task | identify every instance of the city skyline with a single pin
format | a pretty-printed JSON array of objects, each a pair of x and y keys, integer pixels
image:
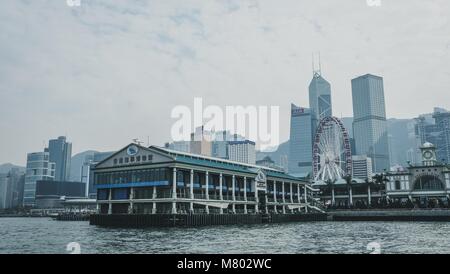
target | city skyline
[{"x": 52, "y": 85}]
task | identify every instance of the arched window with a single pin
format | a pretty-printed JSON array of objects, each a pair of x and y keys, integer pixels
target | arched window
[{"x": 428, "y": 182}]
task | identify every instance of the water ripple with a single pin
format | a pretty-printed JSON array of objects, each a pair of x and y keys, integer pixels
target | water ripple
[{"x": 42, "y": 235}]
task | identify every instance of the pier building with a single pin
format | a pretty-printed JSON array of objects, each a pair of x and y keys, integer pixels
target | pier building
[
  {"x": 156, "y": 180},
  {"x": 421, "y": 183}
]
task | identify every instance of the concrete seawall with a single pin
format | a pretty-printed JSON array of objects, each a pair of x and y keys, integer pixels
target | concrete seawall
[
  {"x": 185, "y": 220},
  {"x": 391, "y": 215}
]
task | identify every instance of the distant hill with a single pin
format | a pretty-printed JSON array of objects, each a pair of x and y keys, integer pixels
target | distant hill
[
  {"x": 276, "y": 156},
  {"x": 5, "y": 168},
  {"x": 77, "y": 163}
]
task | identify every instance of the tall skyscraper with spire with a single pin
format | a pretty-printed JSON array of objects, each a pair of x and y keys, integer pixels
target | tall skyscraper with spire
[{"x": 319, "y": 97}]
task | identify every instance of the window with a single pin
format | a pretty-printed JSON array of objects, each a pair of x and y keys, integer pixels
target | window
[
  {"x": 428, "y": 182},
  {"x": 150, "y": 157},
  {"x": 397, "y": 185},
  {"x": 138, "y": 158},
  {"x": 126, "y": 160},
  {"x": 132, "y": 159},
  {"x": 120, "y": 160},
  {"x": 115, "y": 161},
  {"x": 144, "y": 158}
]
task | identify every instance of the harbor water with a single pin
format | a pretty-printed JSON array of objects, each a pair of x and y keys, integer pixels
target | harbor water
[{"x": 45, "y": 235}]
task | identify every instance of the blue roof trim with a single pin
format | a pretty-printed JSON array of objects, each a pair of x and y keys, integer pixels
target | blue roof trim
[{"x": 138, "y": 184}]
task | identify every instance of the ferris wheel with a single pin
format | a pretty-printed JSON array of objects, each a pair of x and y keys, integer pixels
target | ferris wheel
[{"x": 332, "y": 153}]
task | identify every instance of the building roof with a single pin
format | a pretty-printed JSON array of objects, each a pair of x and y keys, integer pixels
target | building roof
[
  {"x": 207, "y": 161},
  {"x": 428, "y": 145}
]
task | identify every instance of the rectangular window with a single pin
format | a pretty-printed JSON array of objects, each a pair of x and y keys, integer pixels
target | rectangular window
[{"x": 144, "y": 158}]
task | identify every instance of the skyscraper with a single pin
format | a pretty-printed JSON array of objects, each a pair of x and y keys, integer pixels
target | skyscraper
[
  {"x": 319, "y": 99},
  {"x": 38, "y": 168},
  {"x": 242, "y": 151},
  {"x": 4, "y": 191},
  {"x": 369, "y": 124},
  {"x": 60, "y": 154},
  {"x": 435, "y": 130},
  {"x": 362, "y": 167},
  {"x": 300, "y": 145}
]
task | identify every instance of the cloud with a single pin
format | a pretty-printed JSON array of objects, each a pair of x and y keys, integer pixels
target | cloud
[{"x": 109, "y": 71}]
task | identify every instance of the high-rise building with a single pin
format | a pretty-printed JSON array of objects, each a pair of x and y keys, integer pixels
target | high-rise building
[
  {"x": 362, "y": 167},
  {"x": 319, "y": 99},
  {"x": 300, "y": 144},
  {"x": 38, "y": 168},
  {"x": 4, "y": 191},
  {"x": 60, "y": 154},
  {"x": 87, "y": 171},
  {"x": 242, "y": 151},
  {"x": 369, "y": 124},
  {"x": 11, "y": 188},
  {"x": 201, "y": 142},
  {"x": 219, "y": 145},
  {"x": 435, "y": 130},
  {"x": 183, "y": 146},
  {"x": 16, "y": 179}
]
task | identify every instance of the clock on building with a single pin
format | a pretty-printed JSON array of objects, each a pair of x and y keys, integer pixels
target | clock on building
[
  {"x": 132, "y": 150},
  {"x": 428, "y": 154}
]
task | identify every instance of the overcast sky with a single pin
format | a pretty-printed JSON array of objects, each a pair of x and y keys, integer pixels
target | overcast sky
[{"x": 112, "y": 70}]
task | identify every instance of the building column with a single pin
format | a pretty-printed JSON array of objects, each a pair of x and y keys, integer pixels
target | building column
[
  {"x": 221, "y": 190},
  {"x": 350, "y": 196},
  {"x": 275, "y": 196},
  {"x": 245, "y": 195},
  {"x": 298, "y": 193},
  {"x": 207, "y": 190},
  {"x": 256, "y": 197},
  {"x": 267, "y": 207},
  {"x": 245, "y": 188},
  {"x": 153, "y": 208},
  {"x": 207, "y": 184},
  {"x": 221, "y": 186},
  {"x": 233, "y": 186},
  {"x": 191, "y": 184},
  {"x": 369, "y": 195},
  {"x": 283, "y": 198},
  {"x": 110, "y": 204},
  {"x": 174, "y": 191},
  {"x": 306, "y": 199},
  {"x": 191, "y": 190},
  {"x": 97, "y": 208},
  {"x": 131, "y": 200},
  {"x": 292, "y": 194},
  {"x": 333, "y": 199}
]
